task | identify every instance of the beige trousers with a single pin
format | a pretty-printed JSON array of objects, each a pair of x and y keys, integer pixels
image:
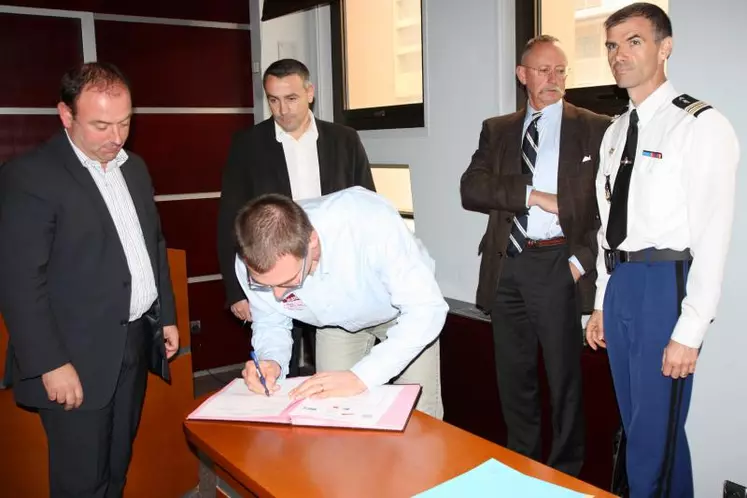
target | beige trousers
[{"x": 338, "y": 349}]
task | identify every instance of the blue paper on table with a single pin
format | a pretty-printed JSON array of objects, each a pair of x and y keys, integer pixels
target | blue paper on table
[{"x": 493, "y": 479}]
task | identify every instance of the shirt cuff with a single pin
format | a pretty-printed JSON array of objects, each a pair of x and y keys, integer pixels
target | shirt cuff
[
  {"x": 284, "y": 367},
  {"x": 577, "y": 264},
  {"x": 689, "y": 332},
  {"x": 368, "y": 375},
  {"x": 530, "y": 188}
]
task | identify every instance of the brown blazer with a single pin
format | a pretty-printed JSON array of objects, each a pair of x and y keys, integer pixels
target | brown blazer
[{"x": 494, "y": 184}]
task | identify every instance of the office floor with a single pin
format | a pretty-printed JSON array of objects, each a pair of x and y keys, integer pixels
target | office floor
[{"x": 207, "y": 381}]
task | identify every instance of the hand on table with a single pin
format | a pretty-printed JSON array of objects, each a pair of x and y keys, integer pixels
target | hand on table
[{"x": 329, "y": 385}]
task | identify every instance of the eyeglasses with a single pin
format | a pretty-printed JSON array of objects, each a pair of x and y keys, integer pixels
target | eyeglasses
[
  {"x": 257, "y": 287},
  {"x": 560, "y": 71}
]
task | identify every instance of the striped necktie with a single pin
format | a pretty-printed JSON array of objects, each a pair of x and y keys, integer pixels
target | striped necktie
[{"x": 529, "y": 147}]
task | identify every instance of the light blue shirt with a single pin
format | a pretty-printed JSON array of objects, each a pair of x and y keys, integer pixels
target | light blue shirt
[
  {"x": 372, "y": 270},
  {"x": 541, "y": 224}
]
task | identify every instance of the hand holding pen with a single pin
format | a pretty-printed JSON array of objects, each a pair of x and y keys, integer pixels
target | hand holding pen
[{"x": 261, "y": 376}]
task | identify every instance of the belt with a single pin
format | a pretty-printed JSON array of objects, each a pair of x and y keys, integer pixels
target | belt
[
  {"x": 555, "y": 241},
  {"x": 614, "y": 258}
]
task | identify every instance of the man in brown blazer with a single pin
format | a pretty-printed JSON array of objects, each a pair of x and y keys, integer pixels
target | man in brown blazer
[{"x": 534, "y": 173}]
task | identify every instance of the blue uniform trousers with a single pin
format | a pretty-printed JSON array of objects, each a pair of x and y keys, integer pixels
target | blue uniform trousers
[{"x": 641, "y": 307}]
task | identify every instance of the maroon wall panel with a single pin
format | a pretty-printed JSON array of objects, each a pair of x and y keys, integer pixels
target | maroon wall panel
[
  {"x": 35, "y": 52},
  {"x": 185, "y": 152},
  {"x": 191, "y": 225},
  {"x": 179, "y": 66},
  {"x": 21, "y": 133},
  {"x": 222, "y": 340},
  {"x": 236, "y": 11}
]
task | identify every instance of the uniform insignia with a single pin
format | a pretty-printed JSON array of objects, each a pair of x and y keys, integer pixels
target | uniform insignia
[
  {"x": 652, "y": 153},
  {"x": 691, "y": 105},
  {"x": 607, "y": 188}
]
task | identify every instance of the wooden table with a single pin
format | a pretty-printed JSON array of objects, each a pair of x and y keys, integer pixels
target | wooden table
[{"x": 283, "y": 461}]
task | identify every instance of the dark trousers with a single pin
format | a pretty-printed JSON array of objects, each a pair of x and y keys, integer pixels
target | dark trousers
[
  {"x": 306, "y": 334},
  {"x": 641, "y": 307},
  {"x": 535, "y": 304},
  {"x": 90, "y": 450}
]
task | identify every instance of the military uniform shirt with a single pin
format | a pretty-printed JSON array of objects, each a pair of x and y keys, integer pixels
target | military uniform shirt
[{"x": 681, "y": 195}]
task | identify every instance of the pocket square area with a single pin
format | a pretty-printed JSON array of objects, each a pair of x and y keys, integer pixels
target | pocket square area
[{"x": 586, "y": 158}]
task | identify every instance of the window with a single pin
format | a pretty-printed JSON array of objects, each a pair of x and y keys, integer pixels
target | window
[
  {"x": 579, "y": 24},
  {"x": 377, "y": 63},
  {"x": 393, "y": 182}
]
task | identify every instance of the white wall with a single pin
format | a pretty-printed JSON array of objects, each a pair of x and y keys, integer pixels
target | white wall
[
  {"x": 469, "y": 61},
  {"x": 708, "y": 63},
  {"x": 469, "y": 64}
]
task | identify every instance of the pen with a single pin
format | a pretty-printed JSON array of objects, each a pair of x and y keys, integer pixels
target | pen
[{"x": 259, "y": 372}]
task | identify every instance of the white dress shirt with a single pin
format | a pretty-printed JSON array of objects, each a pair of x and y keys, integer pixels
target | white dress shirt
[
  {"x": 372, "y": 270},
  {"x": 681, "y": 196},
  {"x": 302, "y": 159},
  {"x": 113, "y": 188},
  {"x": 542, "y": 225}
]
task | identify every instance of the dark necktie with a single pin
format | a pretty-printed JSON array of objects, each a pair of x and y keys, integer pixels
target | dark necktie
[
  {"x": 529, "y": 147},
  {"x": 617, "y": 225}
]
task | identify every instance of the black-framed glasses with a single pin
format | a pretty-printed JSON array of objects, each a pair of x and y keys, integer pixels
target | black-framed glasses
[
  {"x": 257, "y": 287},
  {"x": 560, "y": 71}
]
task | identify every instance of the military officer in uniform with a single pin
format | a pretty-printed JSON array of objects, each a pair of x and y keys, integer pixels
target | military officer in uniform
[{"x": 665, "y": 190}]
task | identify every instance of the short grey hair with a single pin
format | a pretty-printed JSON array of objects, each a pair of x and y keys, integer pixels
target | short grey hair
[{"x": 537, "y": 40}]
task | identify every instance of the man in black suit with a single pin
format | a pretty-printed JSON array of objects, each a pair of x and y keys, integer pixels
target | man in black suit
[
  {"x": 533, "y": 173},
  {"x": 293, "y": 154},
  {"x": 83, "y": 275}
]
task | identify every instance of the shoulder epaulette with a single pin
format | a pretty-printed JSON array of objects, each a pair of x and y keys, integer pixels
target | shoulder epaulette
[{"x": 691, "y": 105}]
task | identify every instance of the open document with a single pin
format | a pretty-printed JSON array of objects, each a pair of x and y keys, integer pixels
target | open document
[{"x": 384, "y": 408}]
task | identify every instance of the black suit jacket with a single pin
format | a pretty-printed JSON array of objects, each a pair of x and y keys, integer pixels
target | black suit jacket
[
  {"x": 494, "y": 184},
  {"x": 64, "y": 280},
  {"x": 256, "y": 166}
]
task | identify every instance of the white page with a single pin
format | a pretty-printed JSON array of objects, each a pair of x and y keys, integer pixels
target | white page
[
  {"x": 236, "y": 400},
  {"x": 363, "y": 409}
]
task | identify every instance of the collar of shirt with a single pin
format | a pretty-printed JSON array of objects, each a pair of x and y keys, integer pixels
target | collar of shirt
[
  {"x": 321, "y": 268},
  {"x": 647, "y": 109},
  {"x": 551, "y": 113},
  {"x": 312, "y": 207},
  {"x": 281, "y": 135},
  {"x": 91, "y": 164}
]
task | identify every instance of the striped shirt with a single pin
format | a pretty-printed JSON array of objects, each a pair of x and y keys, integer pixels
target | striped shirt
[{"x": 113, "y": 188}]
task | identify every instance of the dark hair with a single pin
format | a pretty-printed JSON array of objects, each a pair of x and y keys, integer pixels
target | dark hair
[
  {"x": 269, "y": 227},
  {"x": 102, "y": 75},
  {"x": 534, "y": 42},
  {"x": 287, "y": 67},
  {"x": 658, "y": 18}
]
